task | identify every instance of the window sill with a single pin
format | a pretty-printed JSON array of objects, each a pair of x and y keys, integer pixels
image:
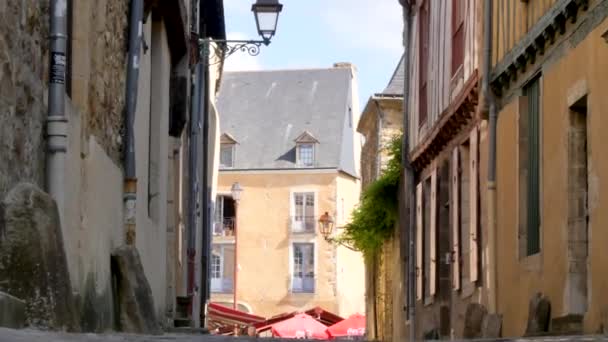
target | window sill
[
  {"x": 532, "y": 263},
  {"x": 301, "y": 293}
]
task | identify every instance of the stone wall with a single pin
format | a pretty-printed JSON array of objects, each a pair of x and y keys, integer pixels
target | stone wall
[
  {"x": 99, "y": 52},
  {"x": 23, "y": 73}
]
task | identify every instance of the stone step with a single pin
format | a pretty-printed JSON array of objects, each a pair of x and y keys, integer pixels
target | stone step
[
  {"x": 180, "y": 323},
  {"x": 12, "y": 311}
]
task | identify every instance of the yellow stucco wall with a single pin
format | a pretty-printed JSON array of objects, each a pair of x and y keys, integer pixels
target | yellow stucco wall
[
  {"x": 264, "y": 239},
  {"x": 546, "y": 272}
]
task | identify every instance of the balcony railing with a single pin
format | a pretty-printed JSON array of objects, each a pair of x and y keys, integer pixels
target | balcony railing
[
  {"x": 225, "y": 227},
  {"x": 303, "y": 224},
  {"x": 221, "y": 285}
]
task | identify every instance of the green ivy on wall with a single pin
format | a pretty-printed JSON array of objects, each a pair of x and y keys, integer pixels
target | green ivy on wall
[{"x": 373, "y": 221}]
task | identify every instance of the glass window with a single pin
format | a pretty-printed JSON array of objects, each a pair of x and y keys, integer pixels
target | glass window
[
  {"x": 306, "y": 154},
  {"x": 303, "y": 275},
  {"x": 227, "y": 155},
  {"x": 304, "y": 212}
]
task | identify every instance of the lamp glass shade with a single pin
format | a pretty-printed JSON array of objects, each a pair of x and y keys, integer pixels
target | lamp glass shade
[
  {"x": 236, "y": 191},
  {"x": 326, "y": 224},
  {"x": 267, "y": 17}
]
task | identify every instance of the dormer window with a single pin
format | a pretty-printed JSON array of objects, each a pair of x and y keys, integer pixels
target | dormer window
[
  {"x": 227, "y": 151},
  {"x": 306, "y": 154},
  {"x": 305, "y": 150}
]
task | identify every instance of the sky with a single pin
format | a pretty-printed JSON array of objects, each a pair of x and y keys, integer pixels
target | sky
[{"x": 319, "y": 33}]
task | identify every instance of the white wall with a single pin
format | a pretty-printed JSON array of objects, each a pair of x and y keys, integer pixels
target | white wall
[{"x": 153, "y": 101}]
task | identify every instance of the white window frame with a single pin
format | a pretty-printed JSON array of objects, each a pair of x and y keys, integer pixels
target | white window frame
[
  {"x": 292, "y": 265},
  {"x": 292, "y": 208},
  {"x": 222, "y": 247},
  {"x": 314, "y": 154},
  {"x": 232, "y": 147}
]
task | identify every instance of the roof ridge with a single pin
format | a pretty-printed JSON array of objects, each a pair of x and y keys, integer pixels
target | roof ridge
[{"x": 274, "y": 70}]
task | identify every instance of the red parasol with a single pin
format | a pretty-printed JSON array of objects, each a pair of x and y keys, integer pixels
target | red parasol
[
  {"x": 350, "y": 327},
  {"x": 300, "y": 326}
]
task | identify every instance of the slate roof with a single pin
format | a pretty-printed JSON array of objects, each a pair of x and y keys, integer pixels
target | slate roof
[
  {"x": 396, "y": 85},
  {"x": 265, "y": 111}
]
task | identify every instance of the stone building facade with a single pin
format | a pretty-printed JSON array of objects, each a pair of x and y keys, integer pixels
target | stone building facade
[
  {"x": 382, "y": 120},
  {"x": 92, "y": 218},
  {"x": 296, "y": 158},
  {"x": 551, "y": 163},
  {"x": 533, "y": 266}
]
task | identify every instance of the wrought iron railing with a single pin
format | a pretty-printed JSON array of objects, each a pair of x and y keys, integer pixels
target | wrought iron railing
[
  {"x": 303, "y": 224},
  {"x": 224, "y": 227}
]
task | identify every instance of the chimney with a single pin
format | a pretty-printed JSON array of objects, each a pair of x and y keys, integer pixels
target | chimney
[{"x": 346, "y": 65}]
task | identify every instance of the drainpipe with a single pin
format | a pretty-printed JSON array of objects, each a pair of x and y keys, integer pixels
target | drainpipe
[
  {"x": 130, "y": 181},
  {"x": 193, "y": 181},
  {"x": 408, "y": 172},
  {"x": 206, "y": 189},
  {"x": 57, "y": 123},
  {"x": 489, "y": 100},
  {"x": 193, "y": 142}
]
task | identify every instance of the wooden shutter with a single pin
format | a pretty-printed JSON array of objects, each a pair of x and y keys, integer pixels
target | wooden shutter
[
  {"x": 419, "y": 232},
  {"x": 458, "y": 9},
  {"x": 455, "y": 220},
  {"x": 423, "y": 61},
  {"x": 473, "y": 186},
  {"x": 533, "y": 93},
  {"x": 433, "y": 235}
]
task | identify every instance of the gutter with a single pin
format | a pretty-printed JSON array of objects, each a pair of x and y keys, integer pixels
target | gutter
[
  {"x": 490, "y": 105},
  {"x": 130, "y": 179}
]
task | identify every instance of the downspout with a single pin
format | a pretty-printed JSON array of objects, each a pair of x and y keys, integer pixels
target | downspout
[
  {"x": 206, "y": 189},
  {"x": 491, "y": 106},
  {"x": 193, "y": 167},
  {"x": 57, "y": 123},
  {"x": 408, "y": 173},
  {"x": 130, "y": 181}
]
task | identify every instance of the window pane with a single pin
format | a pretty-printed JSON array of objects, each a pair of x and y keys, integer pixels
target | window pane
[
  {"x": 303, "y": 267},
  {"x": 306, "y": 154},
  {"x": 226, "y": 155}
]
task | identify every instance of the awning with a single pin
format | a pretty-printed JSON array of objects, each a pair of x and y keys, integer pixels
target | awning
[
  {"x": 318, "y": 313},
  {"x": 220, "y": 316},
  {"x": 353, "y": 326},
  {"x": 300, "y": 326}
]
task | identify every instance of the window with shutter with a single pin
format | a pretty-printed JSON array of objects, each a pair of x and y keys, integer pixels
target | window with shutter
[
  {"x": 474, "y": 188},
  {"x": 455, "y": 220},
  {"x": 433, "y": 235},
  {"x": 532, "y": 92},
  {"x": 419, "y": 247},
  {"x": 458, "y": 10},
  {"x": 423, "y": 58}
]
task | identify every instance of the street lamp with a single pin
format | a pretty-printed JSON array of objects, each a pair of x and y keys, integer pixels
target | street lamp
[
  {"x": 266, "y": 13},
  {"x": 236, "y": 190},
  {"x": 326, "y": 225},
  {"x": 267, "y": 17}
]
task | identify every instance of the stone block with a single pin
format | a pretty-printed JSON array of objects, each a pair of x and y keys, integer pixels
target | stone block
[
  {"x": 492, "y": 326},
  {"x": 567, "y": 325},
  {"x": 12, "y": 311},
  {"x": 136, "y": 311},
  {"x": 33, "y": 264},
  {"x": 473, "y": 320},
  {"x": 539, "y": 315}
]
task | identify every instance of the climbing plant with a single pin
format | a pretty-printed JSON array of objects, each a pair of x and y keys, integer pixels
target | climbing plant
[{"x": 373, "y": 220}]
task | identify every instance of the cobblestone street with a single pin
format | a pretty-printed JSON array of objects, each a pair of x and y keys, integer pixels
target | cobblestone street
[{"x": 9, "y": 335}]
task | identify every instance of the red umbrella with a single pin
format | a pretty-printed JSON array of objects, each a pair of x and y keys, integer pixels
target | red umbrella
[
  {"x": 352, "y": 326},
  {"x": 300, "y": 326}
]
